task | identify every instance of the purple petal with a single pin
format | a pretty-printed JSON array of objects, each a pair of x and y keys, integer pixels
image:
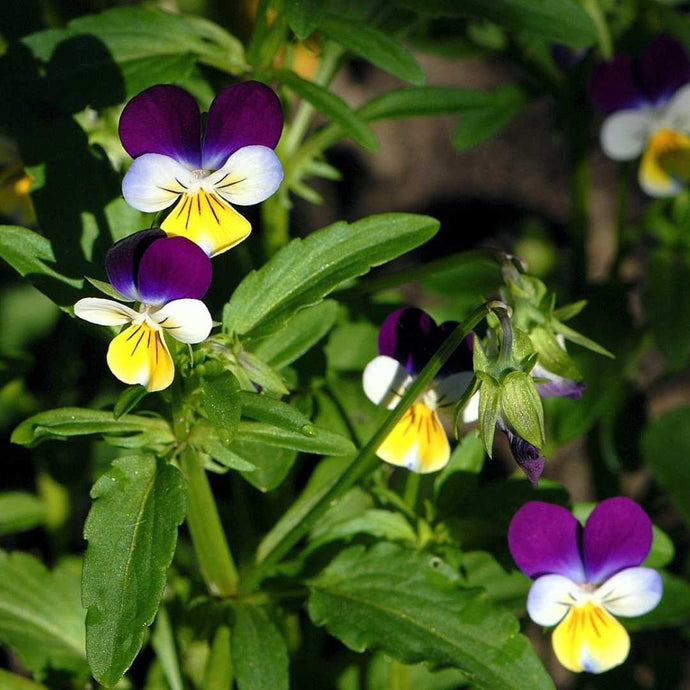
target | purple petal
[
  {"x": 461, "y": 359},
  {"x": 123, "y": 258},
  {"x": 163, "y": 119},
  {"x": 612, "y": 85},
  {"x": 241, "y": 115},
  {"x": 663, "y": 67},
  {"x": 409, "y": 335},
  {"x": 173, "y": 268},
  {"x": 527, "y": 456},
  {"x": 617, "y": 535},
  {"x": 557, "y": 386},
  {"x": 543, "y": 539}
]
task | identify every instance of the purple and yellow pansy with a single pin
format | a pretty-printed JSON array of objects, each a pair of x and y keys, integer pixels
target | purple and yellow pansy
[
  {"x": 584, "y": 577},
  {"x": 647, "y": 102},
  {"x": 407, "y": 340},
  {"x": 202, "y": 174},
  {"x": 167, "y": 276}
]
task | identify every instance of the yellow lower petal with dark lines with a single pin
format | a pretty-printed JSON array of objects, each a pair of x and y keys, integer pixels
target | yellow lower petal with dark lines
[
  {"x": 590, "y": 639},
  {"x": 139, "y": 355},
  {"x": 417, "y": 442},
  {"x": 665, "y": 165},
  {"x": 208, "y": 220}
]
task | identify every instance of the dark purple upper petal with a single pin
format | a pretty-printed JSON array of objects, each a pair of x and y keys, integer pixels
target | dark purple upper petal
[
  {"x": 245, "y": 114},
  {"x": 123, "y": 258},
  {"x": 461, "y": 359},
  {"x": 409, "y": 335},
  {"x": 662, "y": 68},
  {"x": 173, "y": 268},
  {"x": 163, "y": 119},
  {"x": 543, "y": 538},
  {"x": 527, "y": 456},
  {"x": 612, "y": 85},
  {"x": 617, "y": 535}
]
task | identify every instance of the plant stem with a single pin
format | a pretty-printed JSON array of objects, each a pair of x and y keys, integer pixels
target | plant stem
[
  {"x": 365, "y": 461},
  {"x": 412, "y": 489},
  {"x": 210, "y": 544}
]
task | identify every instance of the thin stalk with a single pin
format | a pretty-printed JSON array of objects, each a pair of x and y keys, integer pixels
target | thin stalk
[
  {"x": 366, "y": 461},
  {"x": 412, "y": 489},
  {"x": 210, "y": 544}
]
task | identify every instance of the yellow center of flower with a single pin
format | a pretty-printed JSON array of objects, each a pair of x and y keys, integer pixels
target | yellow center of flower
[{"x": 666, "y": 162}]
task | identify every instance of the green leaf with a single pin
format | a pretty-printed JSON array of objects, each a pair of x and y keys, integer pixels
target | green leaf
[
  {"x": 428, "y": 101},
  {"x": 305, "y": 271},
  {"x": 351, "y": 346},
  {"x": 569, "y": 334},
  {"x": 20, "y": 511},
  {"x": 409, "y": 606},
  {"x": 522, "y": 407},
  {"x": 107, "y": 289},
  {"x": 41, "y": 617},
  {"x": 271, "y": 464},
  {"x": 308, "y": 438},
  {"x": 569, "y": 311},
  {"x": 259, "y": 652},
  {"x": 222, "y": 404},
  {"x": 468, "y": 456},
  {"x": 489, "y": 407},
  {"x": 479, "y": 124},
  {"x": 163, "y": 642},
  {"x": 666, "y": 449},
  {"x": 561, "y": 21},
  {"x": 206, "y": 439},
  {"x": 132, "y": 533},
  {"x": 11, "y": 681},
  {"x": 508, "y": 588},
  {"x": 299, "y": 335},
  {"x": 331, "y": 106},
  {"x": 128, "y": 400},
  {"x": 303, "y": 16},
  {"x": 65, "y": 422},
  {"x": 218, "y": 671},
  {"x": 374, "y": 46}
]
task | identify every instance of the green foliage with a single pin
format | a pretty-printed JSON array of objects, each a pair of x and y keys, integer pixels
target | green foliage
[
  {"x": 132, "y": 532},
  {"x": 20, "y": 511},
  {"x": 41, "y": 617},
  {"x": 305, "y": 271},
  {"x": 410, "y": 606},
  {"x": 259, "y": 652}
]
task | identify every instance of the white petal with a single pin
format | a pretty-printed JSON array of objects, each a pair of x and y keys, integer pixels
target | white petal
[
  {"x": 550, "y": 598},
  {"x": 677, "y": 114},
  {"x": 631, "y": 592},
  {"x": 248, "y": 177},
  {"x": 623, "y": 134},
  {"x": 471, "y": 412},
  {"x": 447, "y": 391},
  {"x": 187, "y": 320},
  {"x": 385, "y": 381},
  {"x": 104, "y": 312},
  {"x": 154, "y": 182}
]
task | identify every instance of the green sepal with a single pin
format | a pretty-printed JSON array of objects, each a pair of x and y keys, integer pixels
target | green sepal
[
  {"x": 522, "y": 407},
  {"x": 480, "y": 362},
  {"x": 261, "y": 374},
  {"x": 552, "y": 356},
  {"x": 489, "y": 408},
  {"x": 569, "y": 311},
  {"x": 523, "y": 347},
  {"x": 575, "y": 337}
]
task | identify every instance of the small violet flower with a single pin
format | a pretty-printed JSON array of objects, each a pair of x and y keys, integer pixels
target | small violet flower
[
  {"x": 407, "y": 340},
  {"x": 647, "y": 100},
  {"x": 231, "y": 163},
  {"x": 168, "y": 276},
  {"x": 583, "y": 577}
]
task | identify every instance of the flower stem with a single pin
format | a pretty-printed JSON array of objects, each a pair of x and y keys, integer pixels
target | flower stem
[
  {"x": 286, "y": 534},
  {"x": 210, "y": 544}
]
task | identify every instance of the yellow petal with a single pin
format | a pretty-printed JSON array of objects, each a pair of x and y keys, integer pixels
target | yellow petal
[
  {"x": 139, "y": 355},
  {"x": 417, "y": 442},
  {"x": 590, "y": 639},
  {"x": 208, "y": 220},
  {"x": 665, "y": 165}
]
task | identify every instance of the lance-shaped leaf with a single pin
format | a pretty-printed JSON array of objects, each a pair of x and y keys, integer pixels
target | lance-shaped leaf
[
  {"x": 301, "y": 332},
  {"x": 305, "y": 271},
  {"x": 374, "y": 46},
  {"x": 304, "y": 16},
  {"x": 563, "y": 21},
  {"x": 11, "y": 681},
  {"x": 132, "y": 533},
  {"x": 259, "y": 652},
  {"x": 41, "y": 618},
  {"x": 65, "y": 422},
  {"x": 407, "y": 604}
]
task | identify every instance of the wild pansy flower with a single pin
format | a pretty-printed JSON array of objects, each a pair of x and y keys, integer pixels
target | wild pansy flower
[
  {"x": 231, "y": 163},
  {"x": 168, "y": 276},
  {"x": 407, "y": 340},
  {"x": 583, "y": 577},
  {"x": 647, "y": 99}
]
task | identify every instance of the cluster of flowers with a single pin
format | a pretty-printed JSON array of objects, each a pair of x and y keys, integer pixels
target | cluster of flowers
[{"x": 167, "y": 270}]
